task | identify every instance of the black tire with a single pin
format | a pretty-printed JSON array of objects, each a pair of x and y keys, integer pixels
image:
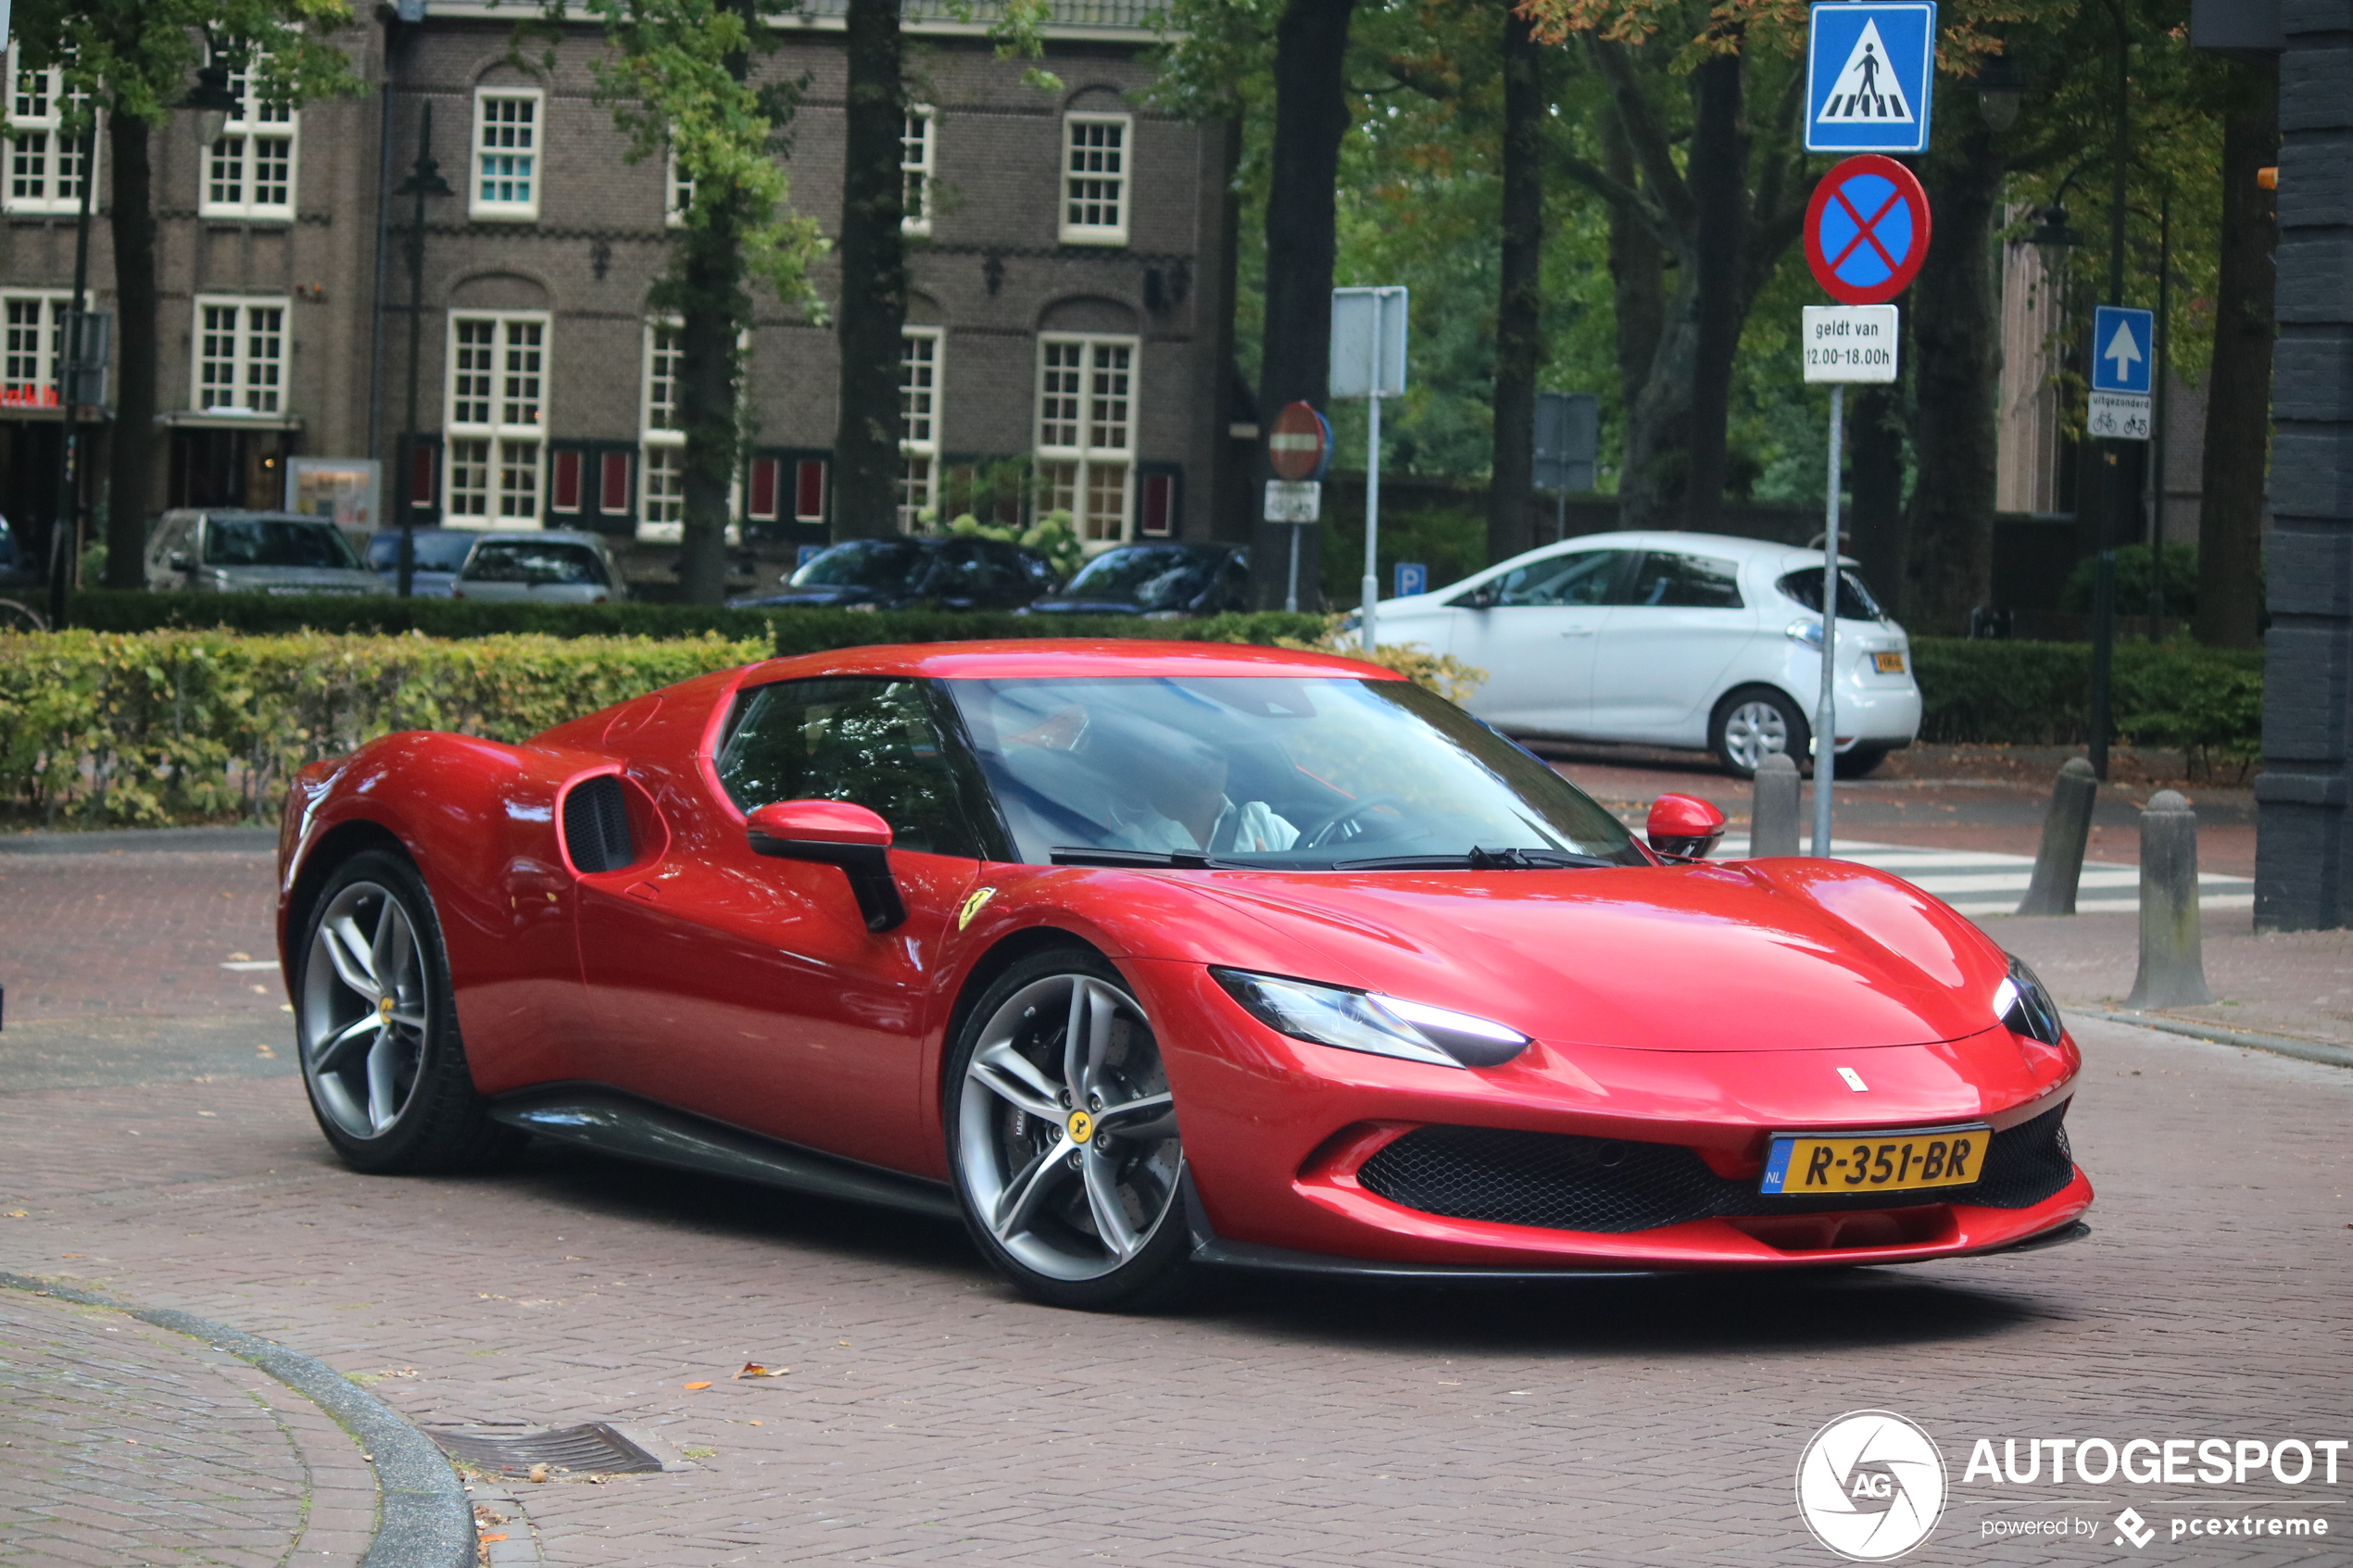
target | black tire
[
  {"x": 414, "y": 1110},
  {"x": 1859, "y": 761},
  {"x": 1741, "y": 732},
  {"x": 1045, "y": 1177}
]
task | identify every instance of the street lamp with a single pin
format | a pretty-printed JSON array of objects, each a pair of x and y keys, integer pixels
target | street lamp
[
  {"x": 424, "y": 179},
  {"x": 213, "y": 99},
  {"x": 2051, "y": 232},
  {"x": 1999, "y": 89}
]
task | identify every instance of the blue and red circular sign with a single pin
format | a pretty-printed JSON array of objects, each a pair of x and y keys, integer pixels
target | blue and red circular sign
[{"x": 1867, "y": 229}]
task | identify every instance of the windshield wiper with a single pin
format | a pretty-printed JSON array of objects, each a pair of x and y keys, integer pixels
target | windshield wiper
[
  {"x": 1182, "y": 860},
  {"x": 1478, "y": 860}
]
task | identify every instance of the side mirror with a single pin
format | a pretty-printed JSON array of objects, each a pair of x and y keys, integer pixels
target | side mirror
[
  {"x": 178, "y": 560},
  {"x": 835, "y": 833},
  {"x": 1482, "y": 598},
  {"x": 1684, "y": 827}
]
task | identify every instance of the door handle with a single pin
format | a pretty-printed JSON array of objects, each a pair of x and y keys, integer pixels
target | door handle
[{"x": 1579, "y": 632}]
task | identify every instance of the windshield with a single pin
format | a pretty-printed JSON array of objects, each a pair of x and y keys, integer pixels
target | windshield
[
  {"x": 270, "y": 541},
  {"x": 435, "y": 552},
  {"x": 1854, "y": 601},
  {"x": 533, "y": 561},
  {"x": 1153, "y": 576},
  {"x": 882, "y": 564},
  {"x": 1307, "y": 775}
]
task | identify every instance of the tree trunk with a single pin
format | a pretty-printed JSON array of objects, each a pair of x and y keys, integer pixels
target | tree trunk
[
  {"x": 708, "y": 372},
  {"x": 1310, "y": 115},
  {"x": 1637, "y": 285},
  {"x": 132, "y": 444},
  {"x": 1875, "y": 468},
  {"x": 1511, "y": 490},
  {"x": 1956, "y": 341},
  {"x": 874, "y": 277},
  {"x": 1718, "y": 178},
  {"x": 2238, "y": 398}
]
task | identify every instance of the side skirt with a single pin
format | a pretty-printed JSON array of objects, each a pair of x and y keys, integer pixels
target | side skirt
[{"x": 611, "y": 1123}]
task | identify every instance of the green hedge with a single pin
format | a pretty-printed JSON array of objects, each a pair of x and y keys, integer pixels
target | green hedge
[{"x": 2206, "y": 701}]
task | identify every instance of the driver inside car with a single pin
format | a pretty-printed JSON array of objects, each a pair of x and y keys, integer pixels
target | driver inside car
[{"x": 1186, "y": 807}]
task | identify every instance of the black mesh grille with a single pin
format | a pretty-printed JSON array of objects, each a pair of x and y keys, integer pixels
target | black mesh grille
[
  {"x": 596, "y": 825},
  {"x": 1560, "y": 1181}
]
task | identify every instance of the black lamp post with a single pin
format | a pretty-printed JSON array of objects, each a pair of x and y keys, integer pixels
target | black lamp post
[
  {"x": 2115, "y": 494},
  {"x": 1999, "y": 89},
  {"x": 424, "y": 179},
  {"x": 65, "y": 528}
]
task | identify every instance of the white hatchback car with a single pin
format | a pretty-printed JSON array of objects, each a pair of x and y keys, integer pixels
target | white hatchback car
[{"x": 1671, "y": 639}]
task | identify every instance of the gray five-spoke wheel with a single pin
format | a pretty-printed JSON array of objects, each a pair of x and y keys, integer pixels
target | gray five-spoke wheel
[
  {"x": 1753, "y": 731},
  {"x": 1066, "y": 1133},
  {"x": 364, "y": 1009}
]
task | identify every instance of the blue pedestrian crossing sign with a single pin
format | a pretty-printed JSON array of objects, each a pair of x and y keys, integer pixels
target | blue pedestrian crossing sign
[
  {"x": 1869, "y": 74},
  {"x": 2123, "y": 349}
]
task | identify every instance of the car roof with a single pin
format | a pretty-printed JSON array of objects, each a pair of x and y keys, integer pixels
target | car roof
[
  {"x": 532, "y": 536},
  {"x": 246, "y": 514},
  {"x": 1066, "y": 658}
]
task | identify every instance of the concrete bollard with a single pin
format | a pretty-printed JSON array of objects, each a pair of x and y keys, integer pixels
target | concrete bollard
[
  {"x": 2058, "y": 864},
  {"x": 2173, "y": 949},
  {"x": 1772, "y": 813}
]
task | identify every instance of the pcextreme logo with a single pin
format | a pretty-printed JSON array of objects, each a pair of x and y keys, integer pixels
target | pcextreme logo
[{"x": 1871, "y": 1486}]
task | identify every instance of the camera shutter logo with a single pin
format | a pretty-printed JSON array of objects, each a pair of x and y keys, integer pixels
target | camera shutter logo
[{"x": 1871, "y": 1486}]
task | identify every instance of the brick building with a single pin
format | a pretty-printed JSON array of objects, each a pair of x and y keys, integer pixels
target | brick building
[{"x": 1071, "y": 255}]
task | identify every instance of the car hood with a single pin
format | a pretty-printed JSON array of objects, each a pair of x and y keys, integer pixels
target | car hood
[{"x": 1774, "y": 955}]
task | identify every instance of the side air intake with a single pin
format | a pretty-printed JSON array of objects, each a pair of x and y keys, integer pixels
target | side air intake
[{"x": 596, "y": 825}]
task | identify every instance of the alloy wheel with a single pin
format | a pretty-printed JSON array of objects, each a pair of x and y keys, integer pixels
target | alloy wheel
[
  {"x": 1754, "y": 731},
  {"x": 1066, "y": 1132},
  {"x": 364, "y": 1007}
]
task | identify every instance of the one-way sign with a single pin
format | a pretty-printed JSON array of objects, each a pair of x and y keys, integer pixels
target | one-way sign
[
  {"x": 1867, "y": 78},
  {"x": 2121, "y": 356}
]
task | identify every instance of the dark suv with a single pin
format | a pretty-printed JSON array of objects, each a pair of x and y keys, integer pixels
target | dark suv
[
  {"x": 955, "y": 572},
  {"x": 1156, "y": 580}
]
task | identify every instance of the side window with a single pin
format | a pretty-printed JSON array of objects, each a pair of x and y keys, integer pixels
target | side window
[
  {"x": 1686, "y": 583},
  {"x": 1581, "y": 578},
  {"x": 872, "y": 743}
]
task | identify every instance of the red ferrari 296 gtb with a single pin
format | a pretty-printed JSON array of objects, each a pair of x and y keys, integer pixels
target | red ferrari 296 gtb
[{"x": 1144, "y": 958}]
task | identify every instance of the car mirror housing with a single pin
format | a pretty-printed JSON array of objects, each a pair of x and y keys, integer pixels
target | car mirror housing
[
  {"x": 835, "y": 833},
  {"x": 1684, "y": 827},
  {"x": 177, "y": 560}
]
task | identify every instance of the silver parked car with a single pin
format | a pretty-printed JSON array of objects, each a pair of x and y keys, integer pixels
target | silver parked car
[
  {"x": 539, "y": 566},
  {"x": 225, "y": 551}
]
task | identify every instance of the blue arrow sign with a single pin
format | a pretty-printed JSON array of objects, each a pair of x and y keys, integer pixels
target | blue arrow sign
[
  {"x": 2123, "y": 349},
  {"x": 1868, "y": 78}
]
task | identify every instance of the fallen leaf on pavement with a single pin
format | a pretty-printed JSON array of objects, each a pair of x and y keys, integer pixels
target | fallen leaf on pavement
[
  {"x": 538, "y": 1473},
  {"x": 694, "y": 1386},
  {"x": 753, "y": 1369},
  {"x": 18, "y": 1214},
  {"x": 499, "y": 1537}
]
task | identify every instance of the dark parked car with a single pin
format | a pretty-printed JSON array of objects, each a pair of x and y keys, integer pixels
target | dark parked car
[
  {"x": 955, "y": 572},
  {"x": 1162, "y": 579},
  {"x": 440, "y": 552}
]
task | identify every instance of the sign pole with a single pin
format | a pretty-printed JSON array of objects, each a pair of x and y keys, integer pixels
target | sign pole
[
  {"x": 1370, "y": 589},
  {"x": 1290, "y": 593},
  {"x": 1826, "y": 710}
]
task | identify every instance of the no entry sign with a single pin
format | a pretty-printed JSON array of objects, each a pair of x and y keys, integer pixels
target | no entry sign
[
  {"x": 1299, "y": 445},
  {"x": 1867, "y": 229}
]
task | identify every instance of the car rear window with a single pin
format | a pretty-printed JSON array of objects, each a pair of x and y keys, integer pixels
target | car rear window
[
  {"x": 1854, "y": 601},
  {"x": 551, "y": 563}
]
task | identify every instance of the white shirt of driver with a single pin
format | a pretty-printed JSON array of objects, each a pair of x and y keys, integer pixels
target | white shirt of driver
[{"x": 1251, "y": 827}]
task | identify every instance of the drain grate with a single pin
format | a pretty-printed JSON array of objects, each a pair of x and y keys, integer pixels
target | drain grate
[{"x": 593, "y": 1449}]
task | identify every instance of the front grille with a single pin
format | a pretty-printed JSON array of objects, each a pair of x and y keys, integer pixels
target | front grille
[
  {"x": 1558, "y": 1181},
  {"x": 596, "y": 825}
]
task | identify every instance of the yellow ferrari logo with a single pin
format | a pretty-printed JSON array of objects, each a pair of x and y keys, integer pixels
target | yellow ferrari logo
[
  {"x": 384, "y": 1007},
  {"x": 972, "y": 906},
  {"x": 1081, "y": 1125}
]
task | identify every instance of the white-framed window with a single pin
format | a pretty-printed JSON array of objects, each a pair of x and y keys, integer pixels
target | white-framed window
[
  {"x": 1095, "y": 178},
  {"x": 33, "y": 336},
  {"x": 1087, "y": 434},
  {"x": 496, "y": 420},
  {"x": 506, "y": 174},
  {"x": 919, "y": 413},
  {"x": 44, "y": 165},
  {"x": 918, "y": 159},
  {"x": 249, "y": 169},
  {"x": 662, "y": 489},
  {"x": 678, "y": 192},
  {"x": 240, "y": 355}
]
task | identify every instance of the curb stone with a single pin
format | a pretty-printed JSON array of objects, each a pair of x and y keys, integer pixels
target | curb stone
[
  {"x": 2278, "y": 1045},
  {"x": 184, "y": 841},
  {"x": 423, "y": 1519}
]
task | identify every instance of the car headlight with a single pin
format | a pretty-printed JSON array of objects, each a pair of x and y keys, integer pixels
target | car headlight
[
  {"x": 1365, "y": 1021},
  {"x": 2024, "y": 1007}
]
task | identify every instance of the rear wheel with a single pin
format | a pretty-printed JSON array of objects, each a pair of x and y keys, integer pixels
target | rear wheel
[
  {"x": 1754, "y": 722},
  {"x": 378, "y": 1028},
  {"x": 1061, "y": 1137},
  {"x": 1855, "y": 762}
]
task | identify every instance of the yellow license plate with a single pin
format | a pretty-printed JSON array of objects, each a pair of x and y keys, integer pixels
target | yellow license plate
[
  {"x": 1888, "y": 664},
  {"x": 1816, "y": 1165}
]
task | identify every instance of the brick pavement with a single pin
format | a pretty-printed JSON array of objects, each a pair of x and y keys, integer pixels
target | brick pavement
[
  {"x": 929, "y": 1415},
  {"x": 124, "y": 1444},
  {"x": 93, "y": 935}
]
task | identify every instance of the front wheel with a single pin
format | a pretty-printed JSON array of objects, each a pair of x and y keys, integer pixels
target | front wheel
[
  {"x": 1061, "y": 1137},
  {"x": 1754, "y": 722}
]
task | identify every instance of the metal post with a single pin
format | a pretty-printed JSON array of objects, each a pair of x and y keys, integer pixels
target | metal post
[
  {"x": 65, "y": 532},
  {"x": 1370, "y": 589},
  {"x": 2157, "y": 415},
  {"x": 422, "y": 180},
  {"x": 2103, "y": 599},
  {"x": 1291, "y": 594},
  {"x": 1826, "y": 710}
]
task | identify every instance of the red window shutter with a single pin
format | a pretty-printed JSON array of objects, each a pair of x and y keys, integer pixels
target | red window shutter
[
  {"x": 765, "y": 473},
  {"x": 1160, "y": 502},
  {"x": 566, "y": 497},
  {"x": 809, "y": 491},
  {"x": 612, "y": 486},
  {"x": 420, "y": 477}
]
